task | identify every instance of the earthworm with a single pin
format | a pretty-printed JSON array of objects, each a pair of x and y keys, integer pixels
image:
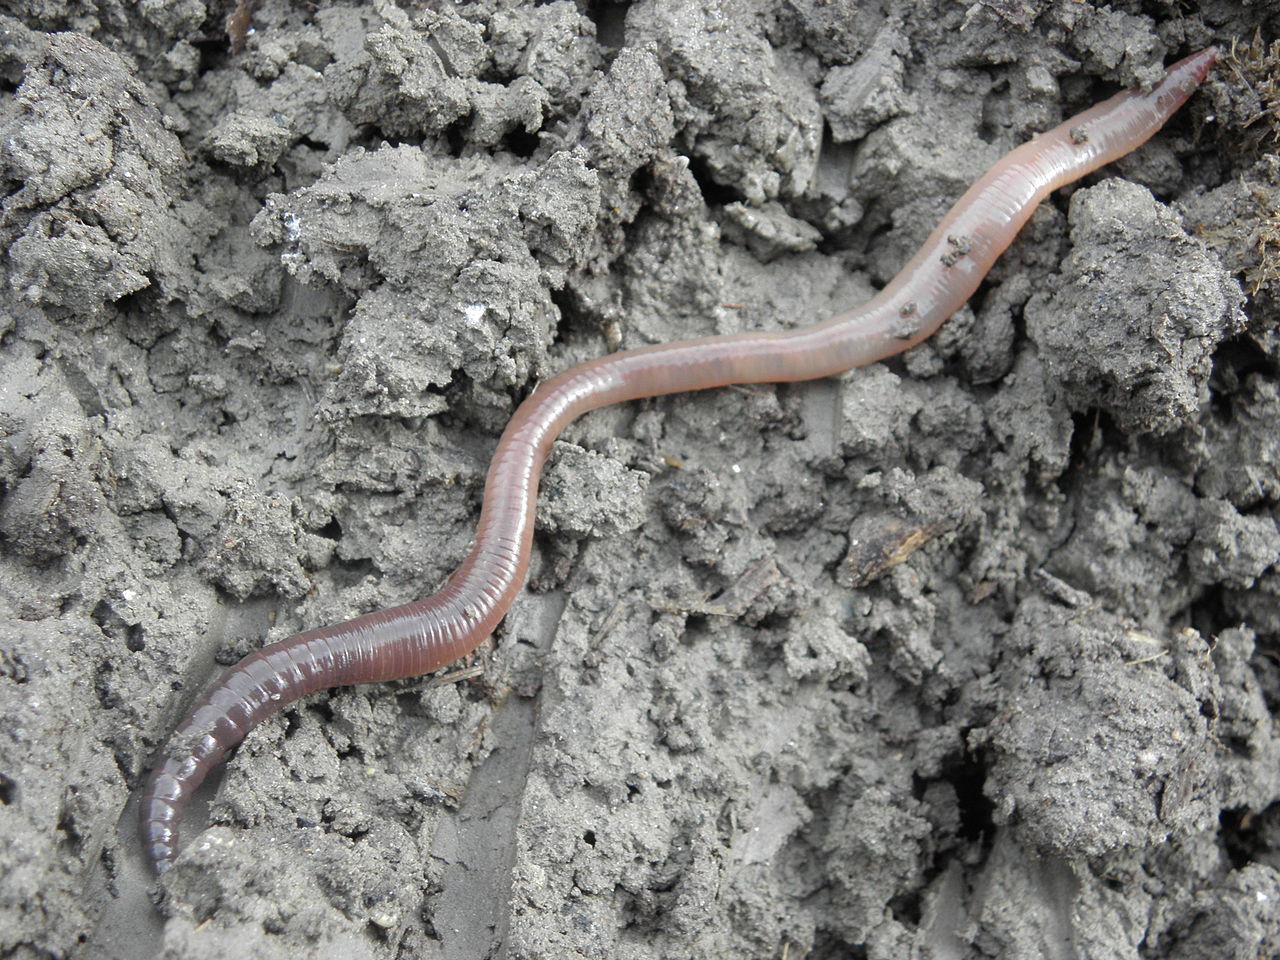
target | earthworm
[{"x": 420, "y": 637}]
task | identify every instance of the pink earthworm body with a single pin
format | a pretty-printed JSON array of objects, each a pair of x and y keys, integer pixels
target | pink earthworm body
[{"x": 420, "y": 637}]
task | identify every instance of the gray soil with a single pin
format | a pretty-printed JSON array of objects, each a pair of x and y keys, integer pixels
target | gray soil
[{"x": 968, "y": 654}]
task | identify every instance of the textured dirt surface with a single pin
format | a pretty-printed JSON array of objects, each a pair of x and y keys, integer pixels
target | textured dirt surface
[{"x": 969, "y": 654}]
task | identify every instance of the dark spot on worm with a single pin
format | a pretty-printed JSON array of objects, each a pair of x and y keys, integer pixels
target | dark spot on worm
[
  {"x": 1078, "y": 135},
  {"x": 908, "y": 323},
  {"x": 959, "y": 247}
]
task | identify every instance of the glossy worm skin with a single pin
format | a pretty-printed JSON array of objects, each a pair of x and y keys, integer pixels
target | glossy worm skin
[{"x": 420, "y": 637}]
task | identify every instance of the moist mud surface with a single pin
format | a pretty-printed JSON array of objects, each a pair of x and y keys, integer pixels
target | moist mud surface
[{"x": 972, "y": 653}]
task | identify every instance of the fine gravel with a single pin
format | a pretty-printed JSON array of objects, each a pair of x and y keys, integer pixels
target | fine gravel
[{"x": 968, "y": 654}]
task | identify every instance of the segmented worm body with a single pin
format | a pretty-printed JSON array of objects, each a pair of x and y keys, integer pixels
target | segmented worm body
[{"x": 420, "y": 637}]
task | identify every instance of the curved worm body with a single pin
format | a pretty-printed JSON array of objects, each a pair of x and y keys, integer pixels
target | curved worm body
[{"x": 420, "y": 637}]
